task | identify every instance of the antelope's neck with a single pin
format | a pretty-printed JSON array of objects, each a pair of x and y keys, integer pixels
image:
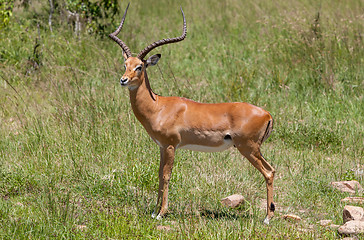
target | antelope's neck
[{"x": 143, "y": 101}]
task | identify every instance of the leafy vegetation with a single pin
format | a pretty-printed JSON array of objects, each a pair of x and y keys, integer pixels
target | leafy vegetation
[
  {"x": 98, "y": 13},
  {"x": 75, "y": 163},
  {"x": 6, "y": 11}
]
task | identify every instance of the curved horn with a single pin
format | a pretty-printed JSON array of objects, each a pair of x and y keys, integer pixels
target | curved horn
[
  {"x": 117, "y": 40},
  {"x": 146, "y": 50}
]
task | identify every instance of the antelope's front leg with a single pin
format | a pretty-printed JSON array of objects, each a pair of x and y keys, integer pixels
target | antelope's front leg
[{"x": 165, "y": 170}]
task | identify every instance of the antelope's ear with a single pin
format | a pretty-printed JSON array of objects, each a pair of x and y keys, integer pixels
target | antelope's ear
[
  {"x": 152, "y": 60},
  {"x": 125, "y": 56}
]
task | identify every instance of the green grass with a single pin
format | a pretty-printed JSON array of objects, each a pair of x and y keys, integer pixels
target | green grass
[{"x": 75, "y": 163}]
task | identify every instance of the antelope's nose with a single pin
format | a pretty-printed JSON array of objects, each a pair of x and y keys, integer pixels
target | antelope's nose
[{"x": 123, "y": 81}]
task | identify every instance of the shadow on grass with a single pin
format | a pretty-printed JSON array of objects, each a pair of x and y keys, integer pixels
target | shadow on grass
[
  {"x": 218, "y": 214},
  {"x": 211, "y": 214}
]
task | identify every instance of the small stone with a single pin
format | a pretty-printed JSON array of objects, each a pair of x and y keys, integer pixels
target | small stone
[
  {"x": 347, "y": 186},
  {"x": 352, "y": 213},
  {"x": 163, "y": 228},
  {"x": 325, "y": 223},
  {"x": 334, "y": 226},
  {"x": 350, "y": 238},
  {"x": 292, "y": 217},
  {"x": 81, "y": 227},
  {"x": 352, "y": 228},
  {"x": 233, "y": 201},
  {"x": 305, "y": 230},
  {"x": 353, "y": 200}
]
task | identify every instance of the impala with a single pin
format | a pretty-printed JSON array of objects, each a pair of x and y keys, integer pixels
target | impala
[{"x": 179, "y": 123}]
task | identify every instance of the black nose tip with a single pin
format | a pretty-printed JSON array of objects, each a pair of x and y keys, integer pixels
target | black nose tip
[{"x": 123, "y": 80}]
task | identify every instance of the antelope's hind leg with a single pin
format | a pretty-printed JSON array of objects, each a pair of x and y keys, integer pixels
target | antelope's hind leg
[
  {"x": 257, "y": 160},
  {"x": 165, "y": 171}
]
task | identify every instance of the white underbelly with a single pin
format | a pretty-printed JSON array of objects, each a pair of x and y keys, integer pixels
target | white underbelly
[{"x": 202, "y": 148}]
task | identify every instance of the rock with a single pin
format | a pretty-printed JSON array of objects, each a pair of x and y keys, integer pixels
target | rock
[
  {"x": 307, "y": 229},
  {"x": 163, "y": 228},
  {"x": 353, "y": 200},
  {"x": 352, "y": 213},
  {"x": 304, "y": 230},
  {"x": 233, "y": 201},
  {"x": 347, "y": 186},
  {"x": 325, "y": 223},
  {"x": 334, "y": 226},
  {"x": 81, "y": 227},
  {"x": 350, "y": 238},
  {"x": 352, "y": 228},
  {"x": 292, "y": 217}
]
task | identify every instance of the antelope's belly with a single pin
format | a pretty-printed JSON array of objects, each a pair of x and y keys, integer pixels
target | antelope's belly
[{"x": 225, "y": 144}]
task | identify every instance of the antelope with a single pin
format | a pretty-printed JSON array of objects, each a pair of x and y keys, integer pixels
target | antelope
[{"x": 179, "y": 123}]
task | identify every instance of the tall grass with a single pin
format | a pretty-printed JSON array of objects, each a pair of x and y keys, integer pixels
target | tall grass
[{"x": 75, "y": 163}]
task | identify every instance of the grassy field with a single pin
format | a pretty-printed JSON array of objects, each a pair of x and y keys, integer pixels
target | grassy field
[{"x": 76, "y": 164}]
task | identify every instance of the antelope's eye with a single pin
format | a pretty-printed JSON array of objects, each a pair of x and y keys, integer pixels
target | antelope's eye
[{"x": 138, "y": 68}]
